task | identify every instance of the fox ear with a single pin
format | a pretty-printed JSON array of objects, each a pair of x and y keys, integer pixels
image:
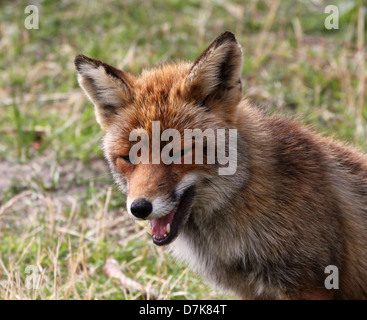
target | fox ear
[
  {"x": 108, "y": 88},
  {"x": 214, "y": 80}
]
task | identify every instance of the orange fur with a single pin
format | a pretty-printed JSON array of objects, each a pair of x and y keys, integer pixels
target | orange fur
[{"x": 297, "y": 203}]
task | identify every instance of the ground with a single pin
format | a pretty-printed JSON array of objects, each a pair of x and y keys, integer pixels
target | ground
[{"x": 61, "y": 217}]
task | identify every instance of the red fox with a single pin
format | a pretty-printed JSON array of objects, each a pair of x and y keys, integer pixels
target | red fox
[{"x": 295, "y": 204}]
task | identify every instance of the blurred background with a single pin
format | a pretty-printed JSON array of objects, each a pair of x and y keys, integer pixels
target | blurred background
[{"x": 61, "y": 217}]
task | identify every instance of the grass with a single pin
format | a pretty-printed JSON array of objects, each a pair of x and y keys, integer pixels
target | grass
[{"x": 59, "y": 211}]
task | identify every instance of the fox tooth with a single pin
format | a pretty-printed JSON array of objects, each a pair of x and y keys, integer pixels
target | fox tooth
[{"x": 168, "y": 228}]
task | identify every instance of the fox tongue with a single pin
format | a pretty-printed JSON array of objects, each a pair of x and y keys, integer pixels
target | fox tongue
[{"x": 159, "y": 226}]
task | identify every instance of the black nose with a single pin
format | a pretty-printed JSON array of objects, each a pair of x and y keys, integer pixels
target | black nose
[{"x": 141, "y": 208}]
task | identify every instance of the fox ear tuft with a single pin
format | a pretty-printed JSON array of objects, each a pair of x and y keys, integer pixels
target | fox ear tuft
[
  {"x": 214, "y": 80},
  {"x": 107, "y": 87}
]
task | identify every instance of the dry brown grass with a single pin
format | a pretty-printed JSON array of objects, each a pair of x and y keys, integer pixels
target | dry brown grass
[{"x": 58, "y": 211}]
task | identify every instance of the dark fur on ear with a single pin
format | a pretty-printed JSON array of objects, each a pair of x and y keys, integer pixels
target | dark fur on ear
[
  {"x": 81, "y": 59},
  {"x": 107, "y": 87},
  {"x": 214, "y": 80}
]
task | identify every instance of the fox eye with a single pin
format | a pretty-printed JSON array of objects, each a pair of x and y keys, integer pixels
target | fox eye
[{"x": 125, "y": 158}]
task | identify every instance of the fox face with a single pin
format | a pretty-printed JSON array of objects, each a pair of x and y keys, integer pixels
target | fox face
[
  {"x": 295, "y": 204},
  {"x": 179, "y": 96}
]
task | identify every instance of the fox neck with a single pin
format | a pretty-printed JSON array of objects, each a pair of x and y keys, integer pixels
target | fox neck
[{"x": 216, "y": 232}]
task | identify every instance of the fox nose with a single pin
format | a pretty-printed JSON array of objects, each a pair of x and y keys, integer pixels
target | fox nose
[{"x": 141, "y": 208}]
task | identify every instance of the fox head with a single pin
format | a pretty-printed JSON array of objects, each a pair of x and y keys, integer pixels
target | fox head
[{"x": 203, "y": 95}]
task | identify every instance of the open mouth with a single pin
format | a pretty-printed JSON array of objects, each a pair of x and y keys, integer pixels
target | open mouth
[{"x": 166, "y": 229}]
